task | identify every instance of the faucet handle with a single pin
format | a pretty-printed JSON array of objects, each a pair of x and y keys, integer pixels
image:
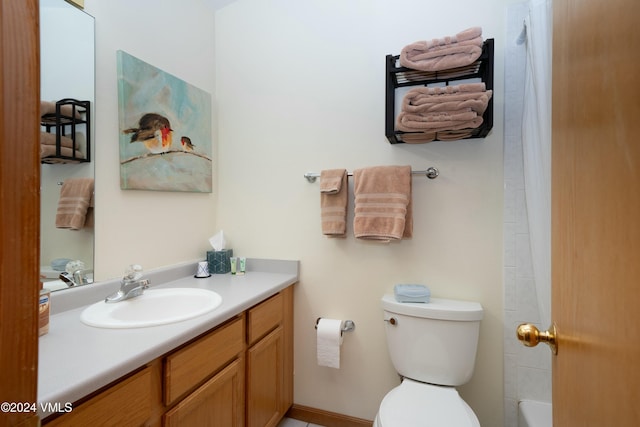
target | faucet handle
[
  {"x": 67, "y": 278},
  {"x": 133, "y": 273}
]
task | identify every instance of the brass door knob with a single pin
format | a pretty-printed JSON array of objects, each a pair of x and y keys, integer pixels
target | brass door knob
[{"x": 530, "y": 336}]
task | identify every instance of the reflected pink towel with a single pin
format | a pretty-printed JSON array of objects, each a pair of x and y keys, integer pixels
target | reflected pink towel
[
  {"x": 333, "y": 202},
  {"x": 47, "y": 151},
  {"x": 445, "y": 53},
  {"x": 49, "y": 107},
  {"x": 75, "y": 199},
  {"x": 383, "y": 208},
  {"x": 50, "y": 139}
]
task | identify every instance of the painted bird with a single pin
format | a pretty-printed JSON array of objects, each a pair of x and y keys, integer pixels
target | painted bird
[
  {"x": 186, "y": 143},
  {"x": 154, "y": 131}
]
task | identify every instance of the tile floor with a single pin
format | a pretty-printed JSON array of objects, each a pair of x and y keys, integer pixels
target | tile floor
[{"x": 290, "y": 422}]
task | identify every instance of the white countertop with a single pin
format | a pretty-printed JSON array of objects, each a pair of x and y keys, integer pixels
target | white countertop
[{"x": 76, "y": 360}]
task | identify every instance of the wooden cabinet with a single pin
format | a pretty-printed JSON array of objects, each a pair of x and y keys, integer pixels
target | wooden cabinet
[
  {"x": 238, "y": 374},
  {"x": 270, "y": 360},
  {"x": 126, "y": 403}
]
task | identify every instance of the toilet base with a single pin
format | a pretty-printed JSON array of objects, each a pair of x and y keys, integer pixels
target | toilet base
[{"x": 415, "y": 404}]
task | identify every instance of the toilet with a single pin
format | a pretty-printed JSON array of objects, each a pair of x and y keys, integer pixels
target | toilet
[{"x": 433, "y": 348}]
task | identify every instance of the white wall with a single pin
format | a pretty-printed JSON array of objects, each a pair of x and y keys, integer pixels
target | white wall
[
  {"x": 153, "y": 229},
  {"x": 300, "y": 87}
]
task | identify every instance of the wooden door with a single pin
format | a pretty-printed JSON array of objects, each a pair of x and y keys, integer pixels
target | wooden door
[
  {"x": 20, "y": 210},
  {"x": 596, "y": 212}
]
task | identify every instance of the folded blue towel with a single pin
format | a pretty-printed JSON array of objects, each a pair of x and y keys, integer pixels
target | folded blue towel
[{"x": 411, "y": 293}]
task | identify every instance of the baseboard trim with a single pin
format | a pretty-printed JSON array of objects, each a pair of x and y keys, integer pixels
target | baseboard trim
[{"x": 325, "y": 418}]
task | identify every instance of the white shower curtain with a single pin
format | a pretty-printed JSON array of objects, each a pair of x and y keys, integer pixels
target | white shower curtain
[{"x": 536, "y": 141}]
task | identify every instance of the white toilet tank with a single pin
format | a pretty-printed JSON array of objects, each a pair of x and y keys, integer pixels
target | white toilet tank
[{"x": 434, "y": 342}]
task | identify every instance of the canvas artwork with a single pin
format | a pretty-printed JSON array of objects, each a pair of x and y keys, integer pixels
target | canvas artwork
[{"x": 165, "y": 130}]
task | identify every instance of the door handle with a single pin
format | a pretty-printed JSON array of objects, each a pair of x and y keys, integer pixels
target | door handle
[{"x": 530, "y": 336}]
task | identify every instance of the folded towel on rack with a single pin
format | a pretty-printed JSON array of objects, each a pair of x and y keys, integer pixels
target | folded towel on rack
[
  {"x": 445, "y": 53},
  {"x": 449, "y": 108},
  {"x": 383, "y": 207},
  {"x": 49, "y": 107},
  {"x": 453, "y": 135},
  {"x": 47, "y": 138},
  {"x": 415, "y": 122},
  {"x": 418, "y": 137},
  {"x": 48, "y": 153},
  {"x": 76, "y": 197},
  {"x": 333, "y": 202},
  {"x": 424, "y": 100},
  {"x": 423, "y": 137}
]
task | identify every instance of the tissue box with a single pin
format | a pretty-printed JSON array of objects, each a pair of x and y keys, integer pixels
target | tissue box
[
  {"x": 412, "y": 293},
  {"x": 219, "y": 261}
]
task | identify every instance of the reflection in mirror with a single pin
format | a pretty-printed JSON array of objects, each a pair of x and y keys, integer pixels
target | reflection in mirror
[{"x": 67, "y": 71}]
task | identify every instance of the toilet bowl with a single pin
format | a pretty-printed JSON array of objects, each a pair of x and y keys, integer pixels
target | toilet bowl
[
  {"x": 415, "y": 404},
  {"x": 433, "y": 347}
]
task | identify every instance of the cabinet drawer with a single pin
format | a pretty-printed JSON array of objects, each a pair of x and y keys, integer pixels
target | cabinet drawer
[
  {"x": 125, "y": 403},
  {"x": 190, "y": 366},
  {"x": 264, "y": 317},
  {"x": 218, "y": 402}
]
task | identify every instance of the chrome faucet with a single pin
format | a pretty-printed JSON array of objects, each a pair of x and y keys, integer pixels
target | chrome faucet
[
  {"x": 78, "y": 278},
  {"x": 131, "y": 285}
]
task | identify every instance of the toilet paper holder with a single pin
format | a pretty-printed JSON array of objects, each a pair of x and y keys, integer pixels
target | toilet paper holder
[{"x": 348, "y": 325}]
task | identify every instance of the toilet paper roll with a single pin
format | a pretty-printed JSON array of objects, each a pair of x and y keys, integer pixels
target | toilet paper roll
[{"x": 329, "y": 340}]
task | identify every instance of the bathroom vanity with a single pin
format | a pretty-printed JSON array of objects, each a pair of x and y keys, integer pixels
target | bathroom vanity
[{"x": 230, "y": 367}]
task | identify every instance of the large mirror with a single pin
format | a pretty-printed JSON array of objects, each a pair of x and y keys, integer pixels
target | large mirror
[{"x": 67, "y": 57}]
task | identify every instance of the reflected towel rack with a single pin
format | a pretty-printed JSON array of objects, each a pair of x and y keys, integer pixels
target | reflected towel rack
[{"x": 431, "y": 173}]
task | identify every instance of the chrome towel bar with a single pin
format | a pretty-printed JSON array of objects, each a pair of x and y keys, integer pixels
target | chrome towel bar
[{"x": 431, "y": 173}]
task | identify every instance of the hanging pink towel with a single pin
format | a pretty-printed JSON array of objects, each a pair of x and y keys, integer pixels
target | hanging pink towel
[
  {"x": 333, "y": 202},
  {"x": 383, "y": 208},
  {"x": 75, "y": 199}
]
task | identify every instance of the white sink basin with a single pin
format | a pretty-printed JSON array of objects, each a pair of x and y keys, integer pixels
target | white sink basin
[{"x": 154, "y": 307}]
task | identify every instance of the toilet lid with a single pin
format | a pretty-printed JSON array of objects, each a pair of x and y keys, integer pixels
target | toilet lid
[{"x": 415, "y": 404}]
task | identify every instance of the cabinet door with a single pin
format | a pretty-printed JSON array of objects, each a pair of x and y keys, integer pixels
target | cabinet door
[
  {"x": 127, "y": 403},
  {"x": 265, "y": 381},
  {"x": 217, "y": 403}
]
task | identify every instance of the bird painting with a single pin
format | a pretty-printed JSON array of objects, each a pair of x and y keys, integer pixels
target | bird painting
[
  {"x": 164, "y": 130},
  {"x": 154, "y": 131},
  {"x": 186, "y": 143}
]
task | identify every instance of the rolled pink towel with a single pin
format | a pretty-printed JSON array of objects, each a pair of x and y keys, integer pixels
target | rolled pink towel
[
  {"x": 49, "y": 107},
  {"x": 415, "y": 122},
  {"x": 449, "y": 108},
  {"x": 48, "y": 152},
  {"x": 445, "y": 53},
  {"x": 447, "y": 98},
  {"x": 50, "y": 139},
  {"x": 418, "y": 138}
]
